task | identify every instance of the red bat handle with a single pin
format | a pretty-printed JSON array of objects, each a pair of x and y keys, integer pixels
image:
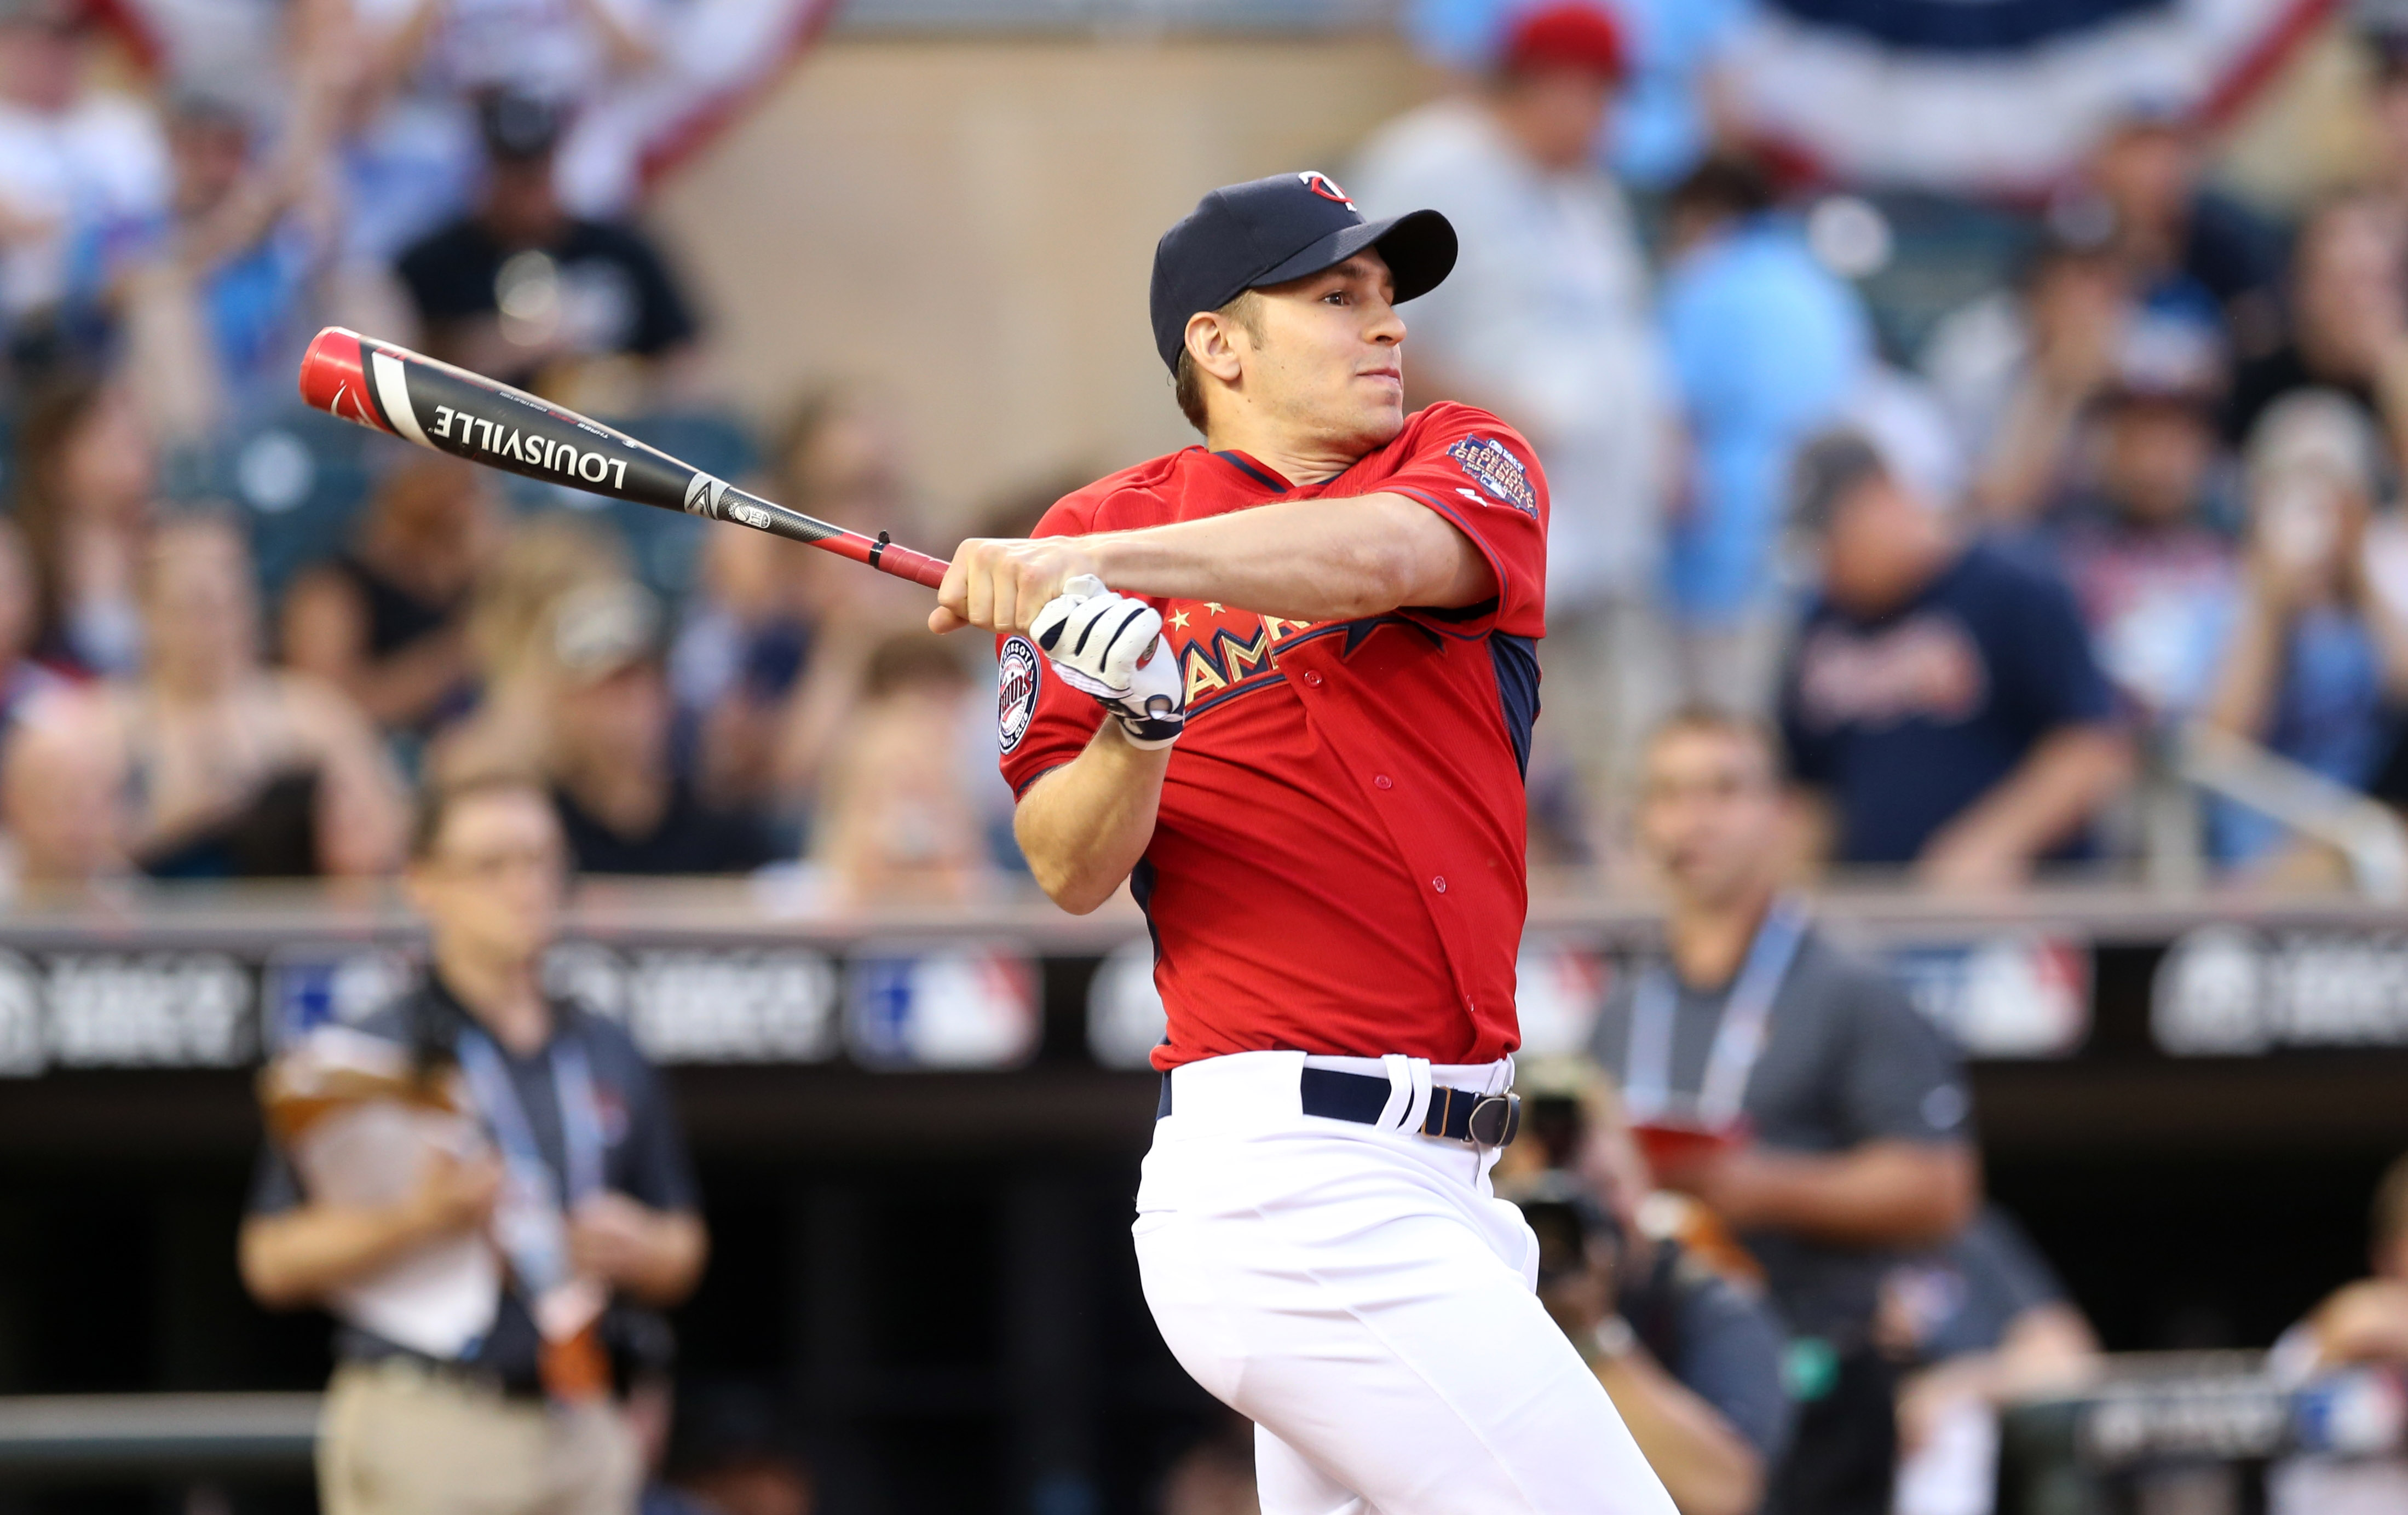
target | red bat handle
[
  {"x": 886, "y": 557},
  {"x": 917, "y": 567}
]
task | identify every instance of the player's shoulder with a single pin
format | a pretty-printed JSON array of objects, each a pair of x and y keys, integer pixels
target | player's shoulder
[
  {"x": 1133, "y": 496},
  {"x": 1445, "y": 420},
  {"x": 607, "y": 1040},
  {"x": 1498, "y": 459},
  {"x": 2007, "y": 570},
  {"x": 1838, "y": 967}
]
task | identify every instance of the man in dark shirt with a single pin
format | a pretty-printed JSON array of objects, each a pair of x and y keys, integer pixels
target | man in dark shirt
[
  {"x": 521, "y": 288},
  {"x": 1978, "y": 1325},
  {"x": 624, "y": 805},
  {"x": 581, "y": 1190},
  {"x": 1942, "y": 700},
  {"x": 1791, "y": 1089}
]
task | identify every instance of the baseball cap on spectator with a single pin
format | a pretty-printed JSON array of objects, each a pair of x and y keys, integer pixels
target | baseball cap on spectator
[
  {"x": 2317, "y": 430},
  {"x": 198, "y": 104},
  {"x": 1826, "y": 471},
  {"x": 1570, "y": 35},
  {"x": 601, "y": 628},
  {"x": 518, "y": 127},
  {"x": 1268, "y": 231}
]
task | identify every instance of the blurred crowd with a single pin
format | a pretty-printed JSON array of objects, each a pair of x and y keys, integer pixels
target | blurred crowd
[
  {"x": 235, "y": 641},
  {"x": 2104, "y": 568}
]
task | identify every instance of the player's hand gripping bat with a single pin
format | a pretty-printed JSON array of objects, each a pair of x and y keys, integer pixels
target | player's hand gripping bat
[{"x": 391, "y": 389}]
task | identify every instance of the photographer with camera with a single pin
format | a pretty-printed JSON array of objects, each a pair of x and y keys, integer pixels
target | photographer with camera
[{"x": 1690, "y": 1359}]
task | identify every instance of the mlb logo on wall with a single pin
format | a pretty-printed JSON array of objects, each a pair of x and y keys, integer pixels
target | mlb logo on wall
[
  {"x": 958, "y": 1005},
  {"x": 1498, "y": 472}
]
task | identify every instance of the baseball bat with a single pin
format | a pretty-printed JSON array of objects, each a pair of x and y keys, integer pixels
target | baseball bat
[{"x": 409, "y": 396}]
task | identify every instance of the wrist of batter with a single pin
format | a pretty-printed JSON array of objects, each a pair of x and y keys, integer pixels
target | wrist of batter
[
  {"x": 1126, "y": 748},
  {"x": 1145, "y": 735}
]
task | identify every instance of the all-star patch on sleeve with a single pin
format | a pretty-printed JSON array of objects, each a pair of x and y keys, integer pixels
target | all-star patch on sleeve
[
  {"x": 1492, "y": 465},
  {"x": 1478, "y": 473}
]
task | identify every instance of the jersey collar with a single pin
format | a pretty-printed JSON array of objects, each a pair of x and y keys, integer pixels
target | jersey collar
[{"x": 1260, "y": 473}]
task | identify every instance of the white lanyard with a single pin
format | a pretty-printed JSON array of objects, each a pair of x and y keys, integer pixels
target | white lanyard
[{"x": 1647, "y": 1082}]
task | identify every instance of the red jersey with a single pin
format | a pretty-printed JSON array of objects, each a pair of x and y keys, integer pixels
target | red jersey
[{"x": 1337, "y": 864}]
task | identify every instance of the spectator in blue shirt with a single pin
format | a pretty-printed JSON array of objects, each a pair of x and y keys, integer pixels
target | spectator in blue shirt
[
  {"x": 1766, "y": 346},
  {"x": 2320, "y": 645},
  {"x": 1942, "y": 700}
]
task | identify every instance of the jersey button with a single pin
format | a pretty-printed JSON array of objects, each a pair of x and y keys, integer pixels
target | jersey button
[
  {"x": 1312, "y": 677},
  {"x": 1439, "y": 883},
  {"x": 1382, "y": 781}
]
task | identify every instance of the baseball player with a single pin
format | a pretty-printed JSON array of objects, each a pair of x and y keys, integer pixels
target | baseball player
[{"x": 1342, "y": 600}]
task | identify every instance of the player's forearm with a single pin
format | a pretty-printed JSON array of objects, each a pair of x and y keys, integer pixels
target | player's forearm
[
  {"x": 299, "y": 1257},
  {"x": 1084, "y": 826},
  {"x": 1884, "y": 1194},
  {"x": 1707, "y": 1467},
  {"x": 1303, "y": 560}
]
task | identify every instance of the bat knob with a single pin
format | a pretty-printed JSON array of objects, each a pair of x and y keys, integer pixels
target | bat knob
[{"x": 334, "y": 375}]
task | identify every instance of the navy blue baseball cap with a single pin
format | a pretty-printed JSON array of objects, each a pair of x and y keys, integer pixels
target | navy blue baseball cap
[{"x": 1271, "y": 230}]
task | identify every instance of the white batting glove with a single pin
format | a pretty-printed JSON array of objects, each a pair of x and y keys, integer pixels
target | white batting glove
[{"x": 1097, "y": 640}]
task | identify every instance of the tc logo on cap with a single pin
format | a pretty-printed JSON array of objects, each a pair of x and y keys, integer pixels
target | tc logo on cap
[{"x": 1325, "y": 187}]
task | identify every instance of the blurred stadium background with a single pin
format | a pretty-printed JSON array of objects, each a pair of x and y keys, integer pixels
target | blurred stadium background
[{"x": 888, "y": 257}]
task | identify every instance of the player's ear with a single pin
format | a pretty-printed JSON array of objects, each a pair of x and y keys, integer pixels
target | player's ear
[{"x": 1212, "y": 345}]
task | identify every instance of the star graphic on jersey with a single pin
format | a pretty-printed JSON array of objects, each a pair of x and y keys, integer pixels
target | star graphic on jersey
[
  {"x": 1178, "y": 622},
  {"x": 1213, "y": 605},
  {"x": 1357, "y": 631}
]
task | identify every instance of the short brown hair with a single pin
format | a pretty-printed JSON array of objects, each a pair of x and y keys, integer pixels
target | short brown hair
[
  {"x": 1719, "y": 721},
  {"x": 1187, "y": 380},
  {"x": 2390, "y": 1215},
  {"x": 436, "y": 801}
]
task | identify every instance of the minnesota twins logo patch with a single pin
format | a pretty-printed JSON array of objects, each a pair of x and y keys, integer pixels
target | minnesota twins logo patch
[
  {"x": 1015, "y": 691},
  {"x": 1499, "y": 473}
]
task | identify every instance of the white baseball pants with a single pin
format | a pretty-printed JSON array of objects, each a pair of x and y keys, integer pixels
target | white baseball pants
[{"x": 1360, "y": 1294}]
